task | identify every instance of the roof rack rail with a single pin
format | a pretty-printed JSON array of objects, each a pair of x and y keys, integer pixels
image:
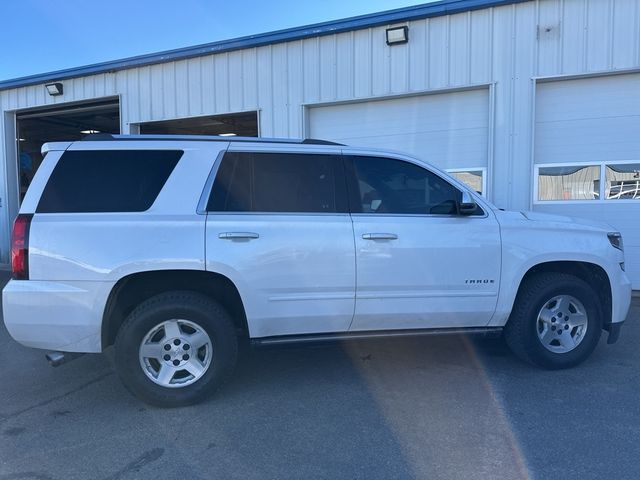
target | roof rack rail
[
  {"x": 316, "y": 141},
  {"x": 102, "y": 137},
  {"x": 97, "y": 137}
]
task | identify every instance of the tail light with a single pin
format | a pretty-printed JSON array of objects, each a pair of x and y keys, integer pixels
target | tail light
[{"x": 20, "y": 247}]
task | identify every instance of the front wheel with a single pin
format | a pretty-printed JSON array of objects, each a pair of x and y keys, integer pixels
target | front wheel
[
  {"x": 175, "y": 349},
  {"x": 555, "y": 322}
]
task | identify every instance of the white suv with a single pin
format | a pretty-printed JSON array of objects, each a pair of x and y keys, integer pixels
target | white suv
[{"x": 175, "y": 248}]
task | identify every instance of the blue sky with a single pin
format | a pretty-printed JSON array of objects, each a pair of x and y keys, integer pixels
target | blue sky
[{"x": 40, "y": 36}]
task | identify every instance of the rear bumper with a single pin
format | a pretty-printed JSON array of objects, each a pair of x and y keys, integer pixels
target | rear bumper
[{"x": 64, "y": 316}]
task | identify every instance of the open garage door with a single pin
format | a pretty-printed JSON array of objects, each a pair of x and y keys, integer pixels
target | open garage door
[
  {"x": 449, "y": 130},
  {"x": 587, "y": 154},
  {"x": 59, "y": 124},
  {"x": 243, "y": 124}
]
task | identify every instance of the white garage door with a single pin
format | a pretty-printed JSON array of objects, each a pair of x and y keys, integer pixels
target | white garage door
[
  {"x": 587, "y": 154},
  {"x": 449, "y": 130}
]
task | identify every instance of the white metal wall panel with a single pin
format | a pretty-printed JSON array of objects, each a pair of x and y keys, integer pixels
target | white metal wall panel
[
  {"x": 593, "y": 120},
  {"x": 448, "y": 129}
]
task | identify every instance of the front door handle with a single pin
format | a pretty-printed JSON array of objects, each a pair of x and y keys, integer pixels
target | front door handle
[
  {"x": 238, "y": 235},
  {"x": 379, "y": 236}
]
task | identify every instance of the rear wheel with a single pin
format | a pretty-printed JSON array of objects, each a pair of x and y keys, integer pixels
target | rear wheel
[
  {"x": 175, "y": 349},
  {"x": 555, "y": 322}
]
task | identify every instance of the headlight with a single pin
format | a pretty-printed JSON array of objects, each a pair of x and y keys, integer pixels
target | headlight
[{"x": 615, "y": 238}]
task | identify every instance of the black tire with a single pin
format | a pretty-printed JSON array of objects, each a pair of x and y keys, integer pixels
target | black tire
[
  {"x": 196, "y": 308},
  {"x": 521, "y": 329}
]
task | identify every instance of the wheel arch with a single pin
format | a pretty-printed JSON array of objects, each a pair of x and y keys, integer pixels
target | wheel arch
[
  {"x": 137, "y": 287},
  {"x": 591, "y": 273}
]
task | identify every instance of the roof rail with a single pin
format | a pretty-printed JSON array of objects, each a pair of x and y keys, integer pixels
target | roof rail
[
  {"x": 102, "y": 137},
  {"x": 317, "y": 141}
]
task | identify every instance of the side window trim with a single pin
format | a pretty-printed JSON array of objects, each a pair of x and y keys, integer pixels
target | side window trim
[
  {"x": 353, "y": 190},
  {"x": 208, "y": 186}
]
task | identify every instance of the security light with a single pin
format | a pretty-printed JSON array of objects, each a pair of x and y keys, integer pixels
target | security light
[
  {"x": 397, "y": 35},
  {"x": 54, "y": 88}
]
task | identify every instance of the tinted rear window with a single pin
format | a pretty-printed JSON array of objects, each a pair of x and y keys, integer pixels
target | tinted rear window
[
  {"x": 107, "y": 181},
  {"x": 279, "y": 182}
]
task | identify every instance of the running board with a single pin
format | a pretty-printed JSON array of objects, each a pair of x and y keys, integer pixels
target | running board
[{"x": 346, "y": 336}]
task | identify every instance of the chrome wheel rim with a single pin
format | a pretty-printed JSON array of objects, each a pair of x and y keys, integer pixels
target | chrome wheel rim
[
  {"x": 175, "y": 353},
  {"x": 562, "y": 324}
]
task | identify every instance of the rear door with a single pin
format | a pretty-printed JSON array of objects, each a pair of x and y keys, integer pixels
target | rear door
[
  {"x": 278, "y": 226},
  {"x": 419, "y": 263}
]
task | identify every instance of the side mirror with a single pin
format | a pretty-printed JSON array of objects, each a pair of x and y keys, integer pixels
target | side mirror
[{"x": 467, "y": 204}]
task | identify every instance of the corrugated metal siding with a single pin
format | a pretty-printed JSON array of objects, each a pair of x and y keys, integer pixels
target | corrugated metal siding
[{"x": 508, "y": 45}]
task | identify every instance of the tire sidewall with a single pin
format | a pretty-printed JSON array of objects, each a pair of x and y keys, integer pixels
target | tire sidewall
[
  {"x": 537, "y": 351},
  {"x": 149, "y": 315}
]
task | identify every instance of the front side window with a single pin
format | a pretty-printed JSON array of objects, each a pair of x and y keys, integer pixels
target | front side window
[
  {"x": 392, "y": 186},
  {"x": 278, "y": 182}
]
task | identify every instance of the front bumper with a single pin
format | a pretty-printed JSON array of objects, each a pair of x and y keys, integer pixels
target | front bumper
[
  {"x": 62, "y": 316},
  {"x": 614, "y": 332},
  {"x": 620, "y": 295}
]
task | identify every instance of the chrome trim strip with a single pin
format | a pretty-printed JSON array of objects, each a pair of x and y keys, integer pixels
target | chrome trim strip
[
  {"x": 319, "y": 296},
  {"x": 437, "y": 294}
]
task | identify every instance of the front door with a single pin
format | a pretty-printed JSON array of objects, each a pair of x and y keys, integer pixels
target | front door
[{"x": 420, "y": 264}]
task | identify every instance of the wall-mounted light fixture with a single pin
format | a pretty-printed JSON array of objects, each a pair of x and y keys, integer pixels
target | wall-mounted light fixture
[
  {"x": 397, "y": 35},
  {"x": 54, "y": 88}
]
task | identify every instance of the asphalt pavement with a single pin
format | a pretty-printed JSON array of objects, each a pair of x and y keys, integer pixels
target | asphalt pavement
[{"x": 433, "y": 408}]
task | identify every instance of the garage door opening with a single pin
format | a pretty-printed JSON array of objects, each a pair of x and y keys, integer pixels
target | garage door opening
[
  {"x": 243, "y": 124},
  {"x": 56, "y": 124}
]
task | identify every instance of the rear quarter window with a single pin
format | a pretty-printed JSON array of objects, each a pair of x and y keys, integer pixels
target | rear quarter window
[{"x": 107, "y": 181}]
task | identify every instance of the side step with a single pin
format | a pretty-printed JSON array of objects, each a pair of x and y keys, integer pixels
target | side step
[
  {"x": 56, "y": 359},
  {"x": 346, "y": 336}
]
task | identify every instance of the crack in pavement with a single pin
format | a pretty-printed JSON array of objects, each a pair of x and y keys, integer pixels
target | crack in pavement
[
  {"x": 7, "y": 416},
  {"x": 136, "y": 465}
]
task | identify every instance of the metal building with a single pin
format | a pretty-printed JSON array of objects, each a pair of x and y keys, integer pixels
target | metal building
[{"x": 534, "y": 102}]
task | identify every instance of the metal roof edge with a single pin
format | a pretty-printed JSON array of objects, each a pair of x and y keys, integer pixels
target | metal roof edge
[{"x": 435, "y": 9}]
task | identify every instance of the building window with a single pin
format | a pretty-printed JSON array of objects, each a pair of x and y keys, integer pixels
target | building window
[
  {"x": 602, "y": 181},
  {"x": 474, "y": 178},
  {"x": 571, "y": 182},
  {"x": 622, "y": 181}
]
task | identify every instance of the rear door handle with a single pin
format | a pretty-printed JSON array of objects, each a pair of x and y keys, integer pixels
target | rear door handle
[
  {"x": 379, "y": 236},
  {"x": 238, "y": 235}
]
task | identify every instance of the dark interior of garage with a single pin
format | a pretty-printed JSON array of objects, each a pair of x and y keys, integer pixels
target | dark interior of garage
[
  {"x": 243, "y": 124},
  {"x": 56, "y": 124}
]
